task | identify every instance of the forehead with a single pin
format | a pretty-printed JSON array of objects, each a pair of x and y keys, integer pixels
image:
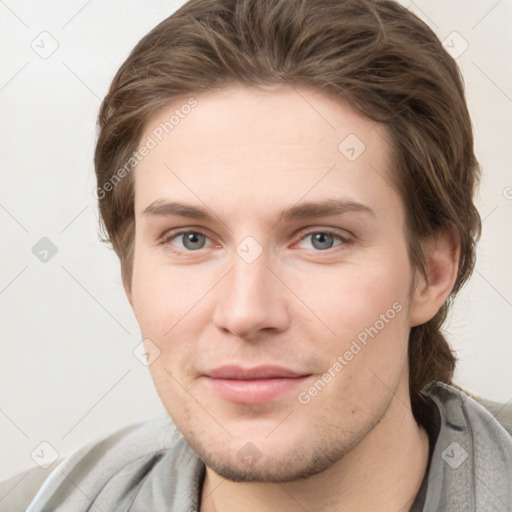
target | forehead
[{"x": 242, "y": 142}]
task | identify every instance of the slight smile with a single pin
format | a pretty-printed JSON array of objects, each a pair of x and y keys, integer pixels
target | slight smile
[{"x": 254, "y": 385}]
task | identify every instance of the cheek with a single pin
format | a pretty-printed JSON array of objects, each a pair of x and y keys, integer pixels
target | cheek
[
  {"x": 343, "y": 302},
  {"x": 172, "y": 309},
  {"x": 367, "y": 354},
  {"x": 163, "y": 295},
  {"x": 363, "y": 310},
  {"x": 167, "y": 303}
]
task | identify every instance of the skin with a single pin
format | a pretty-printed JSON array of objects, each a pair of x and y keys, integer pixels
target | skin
[{"x": 245, "y": 155}]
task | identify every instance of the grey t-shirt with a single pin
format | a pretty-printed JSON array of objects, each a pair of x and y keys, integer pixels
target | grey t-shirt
[{"x": 151, "y": 466}]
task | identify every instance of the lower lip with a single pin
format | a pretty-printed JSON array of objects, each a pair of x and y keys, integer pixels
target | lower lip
[{"x": 254, "y": 391}]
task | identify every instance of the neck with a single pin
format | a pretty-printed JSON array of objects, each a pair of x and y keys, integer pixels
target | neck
[{"x": 383, "y": 472}]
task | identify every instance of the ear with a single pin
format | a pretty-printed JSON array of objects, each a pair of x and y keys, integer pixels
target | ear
[{"x": 431, "y": 291}]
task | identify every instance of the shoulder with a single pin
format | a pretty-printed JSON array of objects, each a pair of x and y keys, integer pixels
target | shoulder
[
  {"x": 17, "y": 492},
  {"x": 500, "y": 412},
  {"x": 91, "y": 467},
  {"x": 471, "y": 463}
]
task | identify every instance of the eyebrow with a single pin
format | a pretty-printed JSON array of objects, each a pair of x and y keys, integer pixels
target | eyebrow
[
  {"x": 163, "y": 208},
  {"x": 306, "y": 210},
  {"x": 309, "y": 210}
]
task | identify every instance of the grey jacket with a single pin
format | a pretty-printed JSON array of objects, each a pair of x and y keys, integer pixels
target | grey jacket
[{"x": 151, "y": 467}]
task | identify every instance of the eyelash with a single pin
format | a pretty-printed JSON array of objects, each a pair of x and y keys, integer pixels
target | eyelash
[
  {"x": 342, "y": 239},
  {"x": 167, "y": 237}
]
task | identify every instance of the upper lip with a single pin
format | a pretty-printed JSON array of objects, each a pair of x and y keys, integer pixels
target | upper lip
[{"x": 258, "y": 372}]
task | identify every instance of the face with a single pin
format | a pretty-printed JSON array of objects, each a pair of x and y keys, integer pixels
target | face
[{"x": 271, "y": 272}]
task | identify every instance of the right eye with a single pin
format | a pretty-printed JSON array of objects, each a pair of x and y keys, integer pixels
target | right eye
[{"x": 186, "y": 241}]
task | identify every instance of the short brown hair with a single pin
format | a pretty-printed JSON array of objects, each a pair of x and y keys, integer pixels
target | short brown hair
[{"x": 374, "y": 55}]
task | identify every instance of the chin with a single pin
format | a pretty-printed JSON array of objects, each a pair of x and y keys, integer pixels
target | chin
[{"x": 268, "y": 465}]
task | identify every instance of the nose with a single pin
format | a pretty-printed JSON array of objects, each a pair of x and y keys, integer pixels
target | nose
[{"x": 251, "y": 300}]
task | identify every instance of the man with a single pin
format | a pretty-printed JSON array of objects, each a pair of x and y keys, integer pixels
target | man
[{"x": 289, "y": 187}]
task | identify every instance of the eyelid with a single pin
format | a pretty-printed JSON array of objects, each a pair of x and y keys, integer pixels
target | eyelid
[{"x": 172, "y": 233}]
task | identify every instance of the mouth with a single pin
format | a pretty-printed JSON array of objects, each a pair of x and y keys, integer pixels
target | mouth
[{"x": 254, "y": 386}]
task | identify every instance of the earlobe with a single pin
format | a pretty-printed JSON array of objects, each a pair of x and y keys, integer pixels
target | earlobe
[{"x": 431, "y": 291}]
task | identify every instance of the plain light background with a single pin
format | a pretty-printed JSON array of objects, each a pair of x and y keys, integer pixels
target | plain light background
[{"x": 68, "y": 374}]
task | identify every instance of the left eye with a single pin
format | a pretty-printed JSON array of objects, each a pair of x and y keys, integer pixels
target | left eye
[
  {"x": 190, "y": 240},
  {"x": 322, "y": 241}
]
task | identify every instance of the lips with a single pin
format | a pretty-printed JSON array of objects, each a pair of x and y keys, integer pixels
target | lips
[
  {"x": 253, "y": 385},
  {"x": 260, "y": 372}
]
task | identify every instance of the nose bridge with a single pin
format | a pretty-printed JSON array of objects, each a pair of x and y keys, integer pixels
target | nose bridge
[
  {"x": 248, "y": 280},
  {"x": 250, "y": 299}
]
